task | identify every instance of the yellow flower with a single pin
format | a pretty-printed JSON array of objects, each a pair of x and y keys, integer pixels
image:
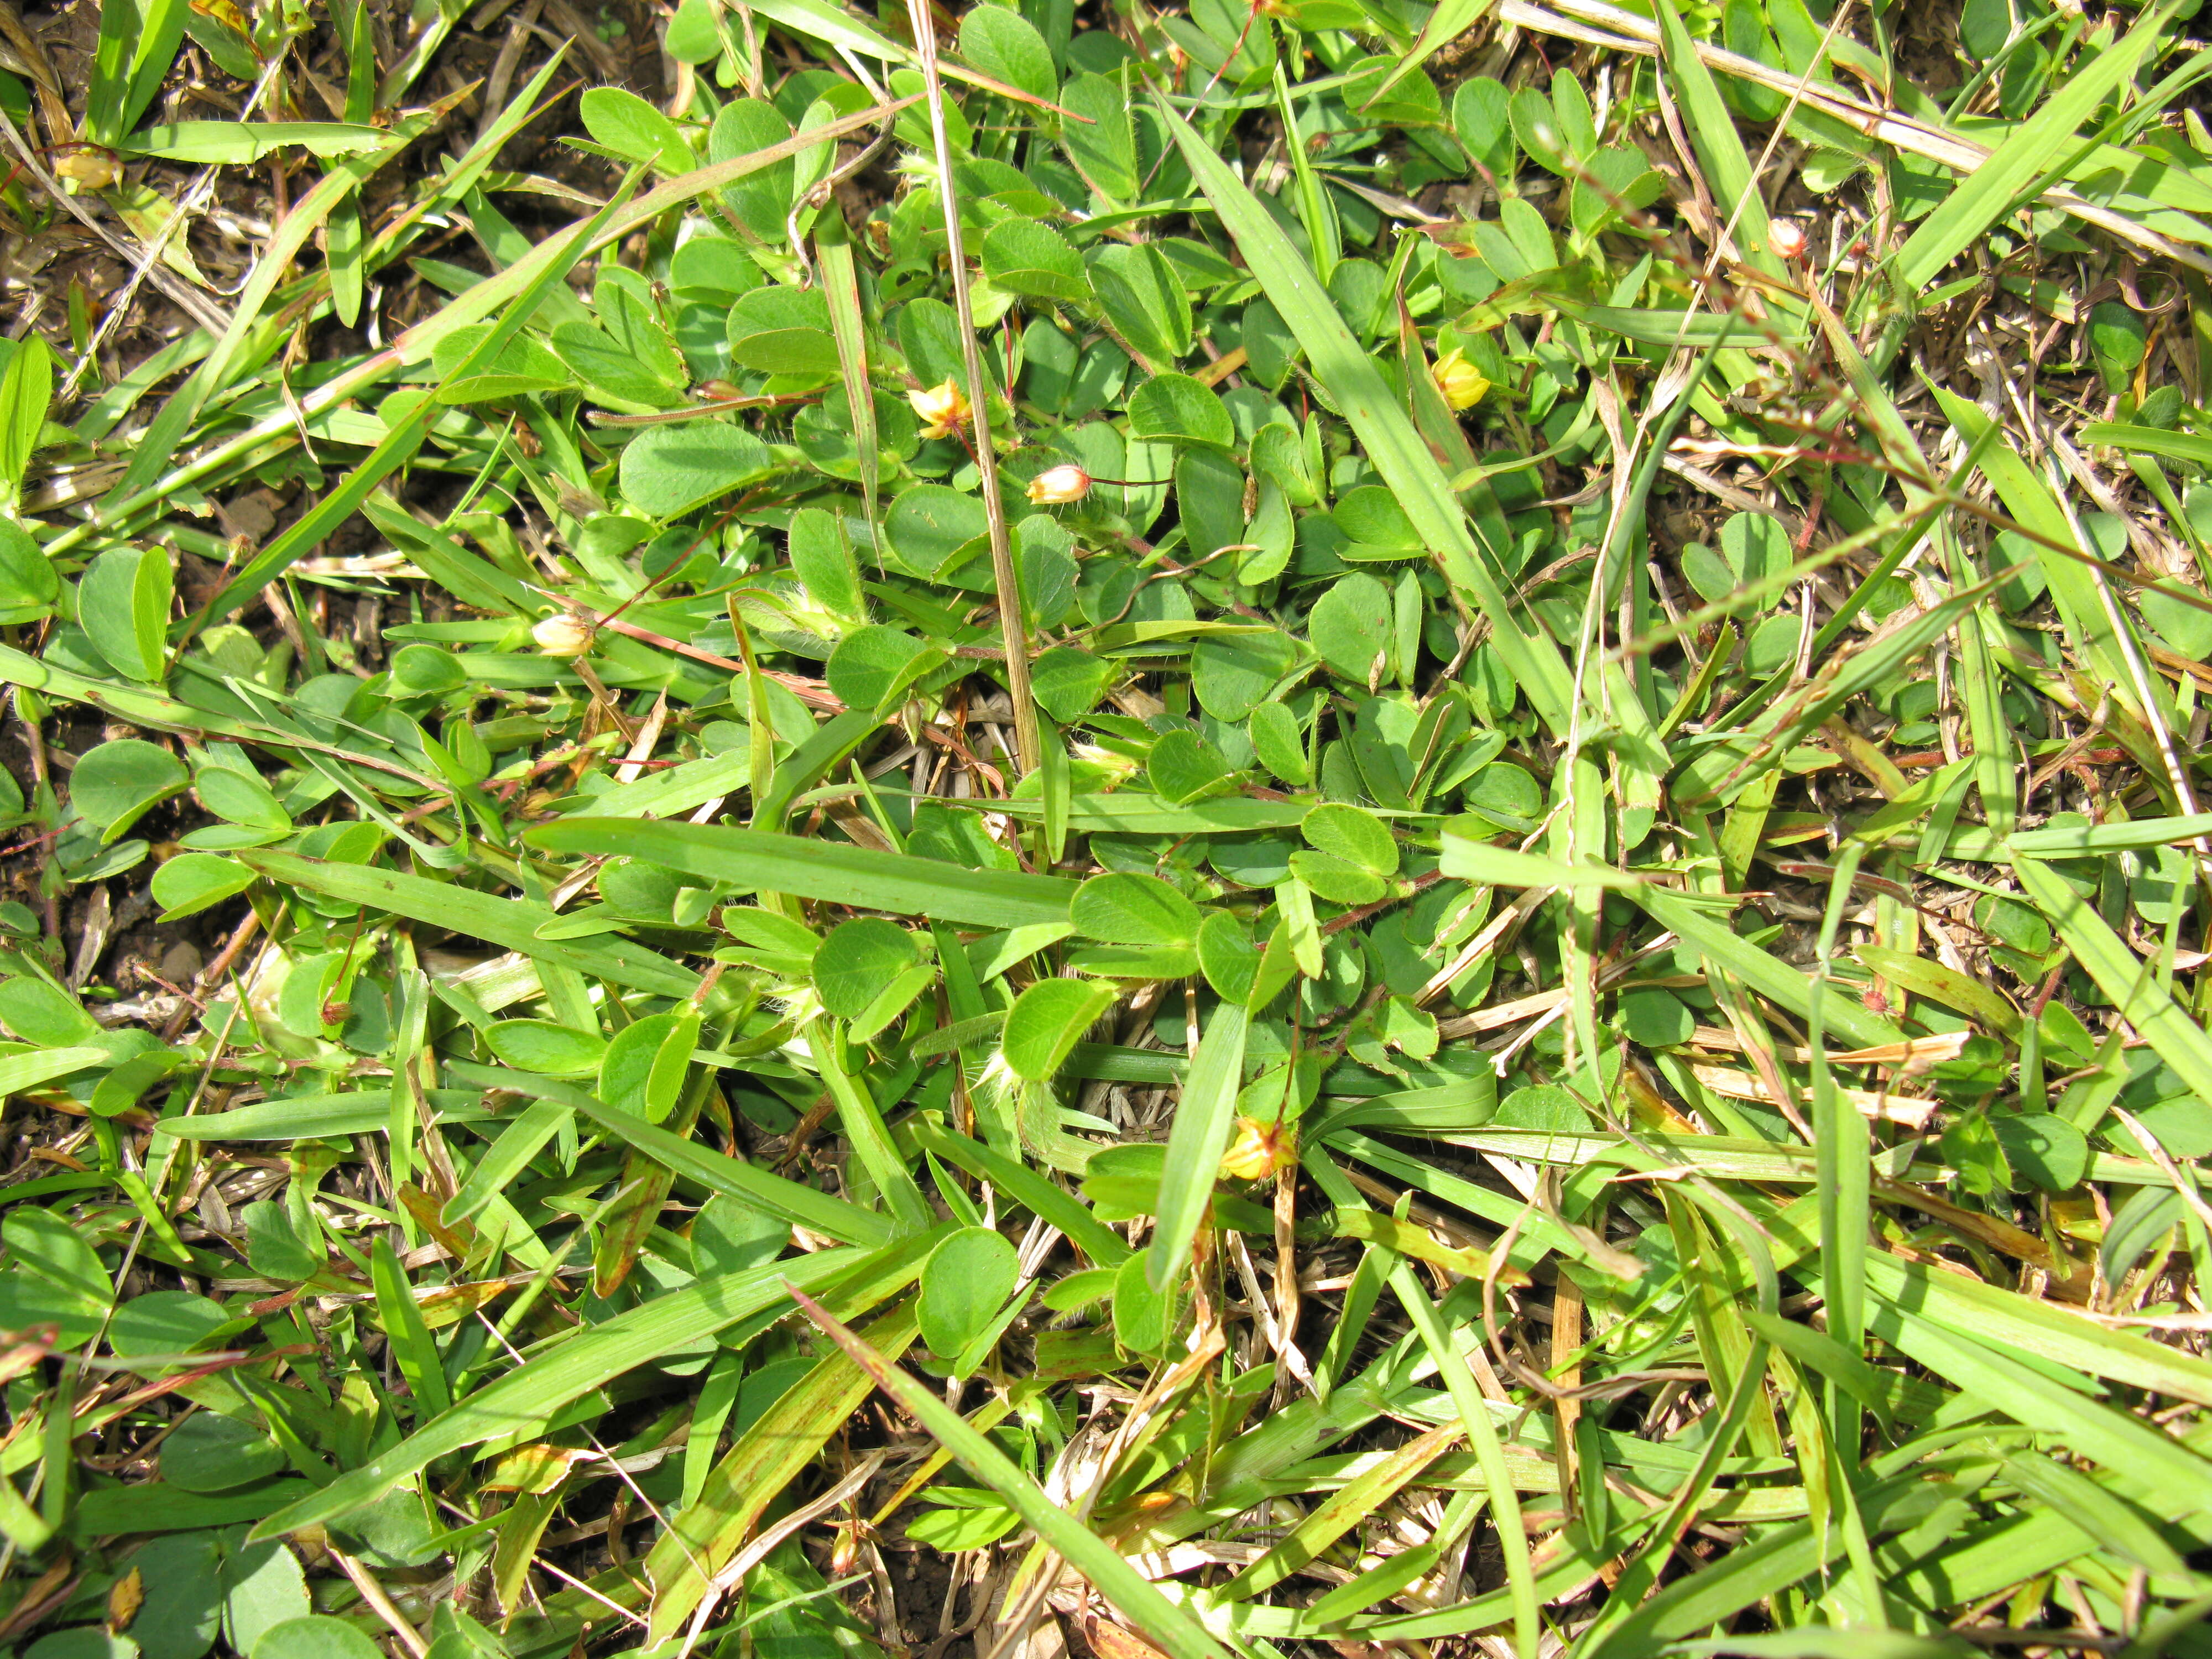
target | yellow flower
[
  {"x": 944, "y": 409},
  {"x": 1460, "y": 380},
  {"x": 88, "y": 167},
  {"x": 561, "y": 635},
  {"x": 1059, "y": 484},
  {"x": 1260, "y": 1148}
]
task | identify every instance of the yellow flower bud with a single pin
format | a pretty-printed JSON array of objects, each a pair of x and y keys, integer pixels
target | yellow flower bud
[
  {"x": 944, "y": 409},
  {"x": 1058, "y": 485},
  {"x": 1461, "y": 383},
  {"x": 561, "y": 635}
]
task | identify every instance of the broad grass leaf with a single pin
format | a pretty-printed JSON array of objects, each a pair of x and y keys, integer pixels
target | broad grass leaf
[
  {"x": 1046, "y": 1022},
  {"x": 857, "y": 876},
  {"x": 964, "y": 1283},
  {"x": 857, "y": 960},
  {"x": 666, "y": 471},
  {"x": 1122, "y": 908}
]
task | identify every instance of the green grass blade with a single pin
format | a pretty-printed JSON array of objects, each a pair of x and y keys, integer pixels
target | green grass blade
[
  {"x": 1202, "y": 1121},
  {"x": 2037, "y": 150},
  {"x": 513, "y": 923},
  {"x": 857, "y": 876},
  {"x": 1178, "y": 1635}
]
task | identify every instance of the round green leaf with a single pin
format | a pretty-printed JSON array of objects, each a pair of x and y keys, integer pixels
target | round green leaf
[
  {"x": 635, "y": 130},
  {"x": 86, "y": 1642},
  {"x": 262, "y": 1587},
  {"x": 1023, "y": 256},
  {"x": 1006, "y": 46},
  {"x": 550, "y": 1050},
  {"x": 692, "y": 37},
  {"x": 963, "y": 1527},
  {"x": 240, "y": 798},
  {"x": 1233, "y": 673},
  {"x": 1144, "y": 1318},
  {"x": 1068, "y": 683},
  {"x": 729, "y": 1236},
  {"x": 1228, "y": 958},
  {"x": 1176, "y": 408},
  {"x": 45, "y": 1014},
  {"x": 930, "y": 525},
  {"x": 2044, "y": 1147},
  {"x": 646, "y": 1063},
  {"x": 29, "y": 586},
  {"x": 117, "y": 783},
  {"x": 669, "y": 470},
  {"x": 1046, "y": 1022},
  {"x": 783, "y": 330},
  {"x": 874, "y": 666},
  {"x": 1350, "y": 626},
  {"x": 964, "y": 1283},
  {"x": 425, "y": 671},
  {"x": 122, "y": 605},
  {"x": 1126, "y": 908},
  {"x": 1143, "y": 298},
  {"x": 209, "y": 1453},
  {"x": 1656, "y": 1018},
  {"x": 183, "y": 1606},
  {"x": 191, "y": 882},
  {"x": 1183, "y": 766},
  {"x": 165, "y": 1321},
  {"x": 1279, "y": 743},
  {"x": 1357, "y": 836},
  {"x": 1370, "y": 515},
  {"x": 314, "y": 1637},
  {"x": 858, "y": 959}
]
